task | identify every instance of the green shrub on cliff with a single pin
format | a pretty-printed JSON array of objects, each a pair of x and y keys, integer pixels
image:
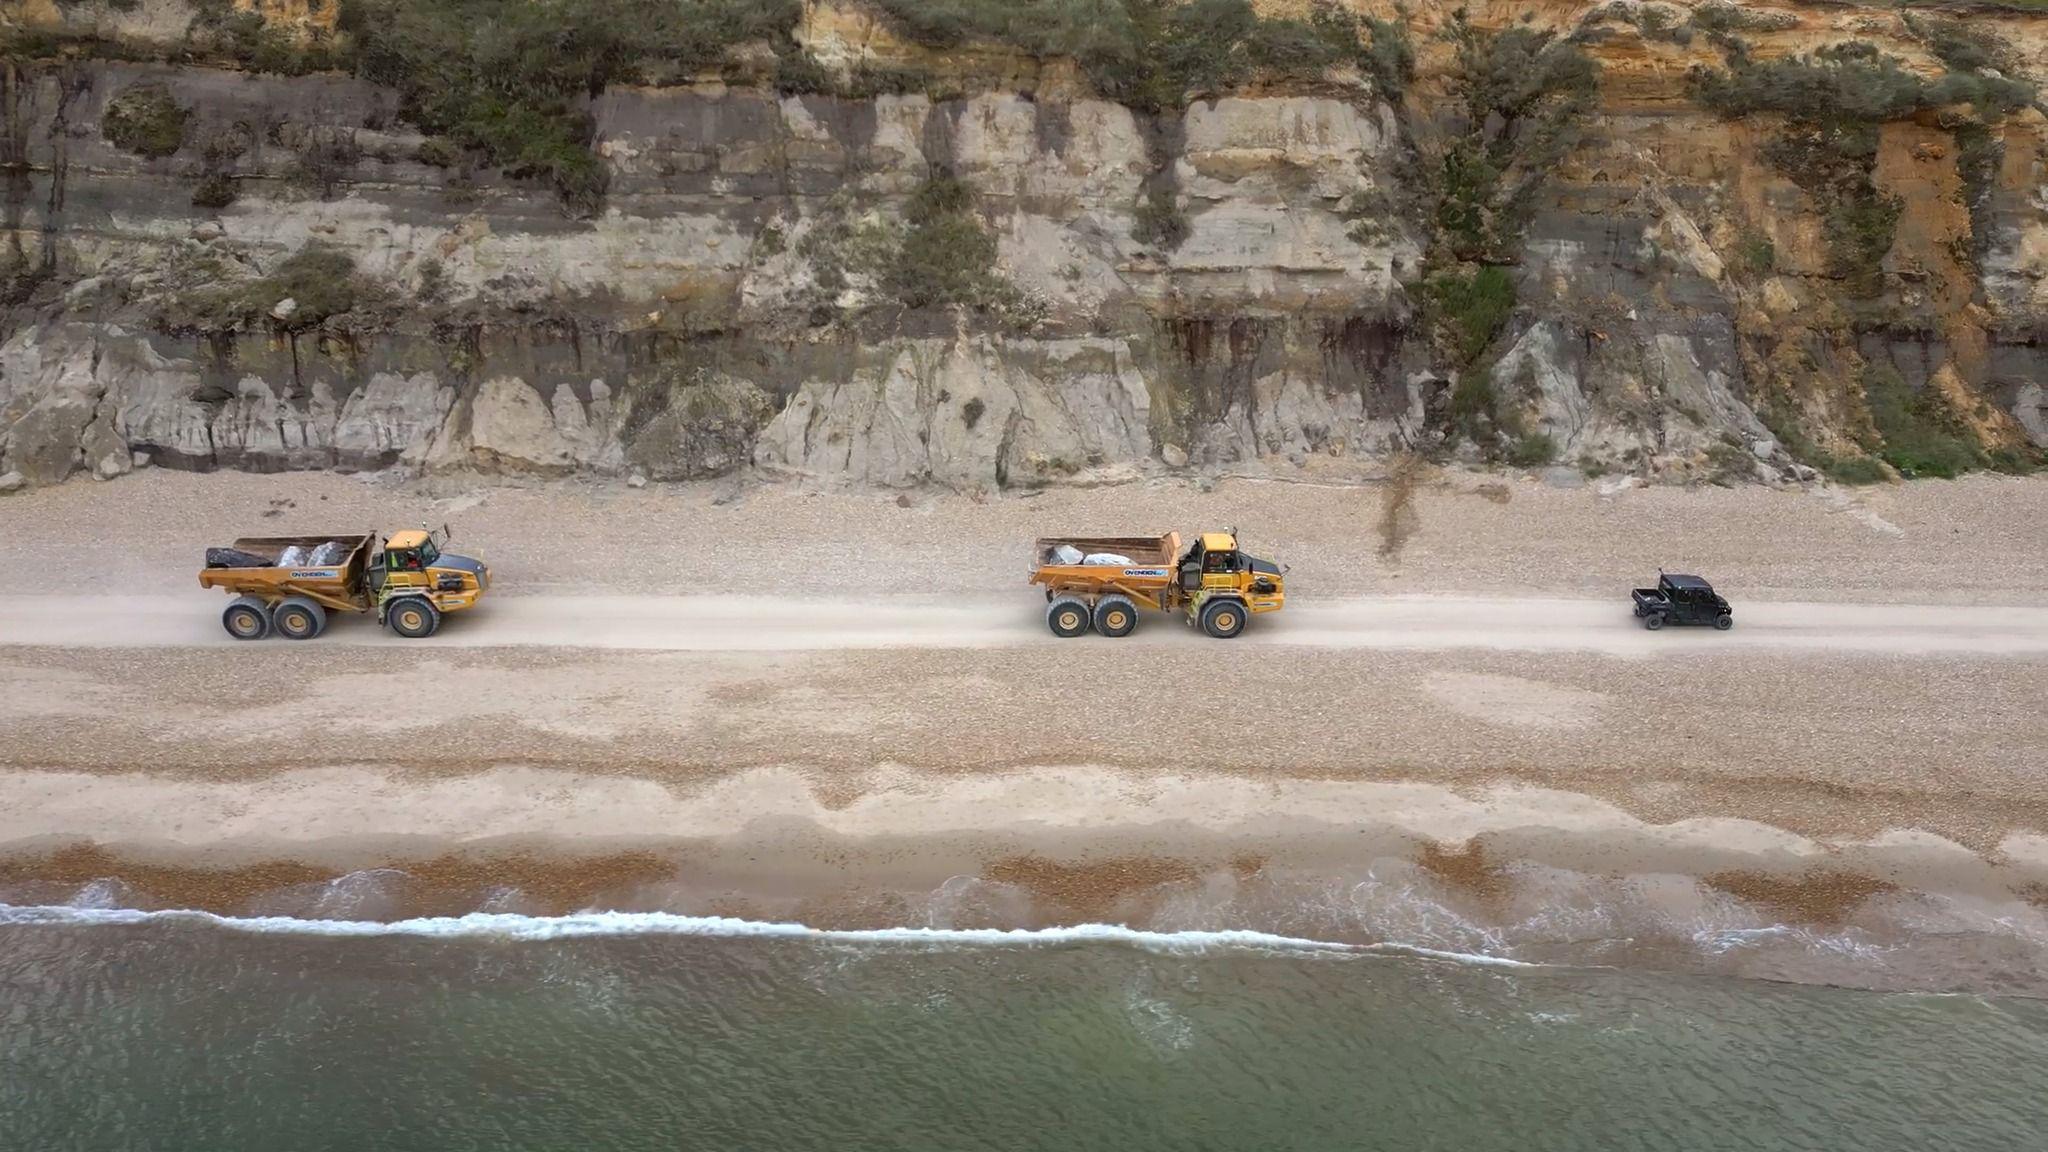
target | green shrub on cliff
[
  {"x": 145, "y": 120},
  {"x": 1920, "y": 436},
  {"x": 321, "y": 282},
  {"x": 1524, "y": 95},
  {"x": 1833, "y": 103},
  {"x": 510, "y": 80},
  {"x": 940, "y": 255},
  {"x": 1470, "y": 307}
]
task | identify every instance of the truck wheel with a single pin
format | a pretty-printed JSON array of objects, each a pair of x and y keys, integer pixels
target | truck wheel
[
  {"x": 1724, "y": 622},
  {"x": 298, "y": 618},
  {"x": 1223, "y": 618},
  {"x": 1067, "y": 616},
  {"x": 1653, "y": 621},
  {"x": 412, "y": 618},
  {"x": 247, "y": 618},
  {"x": 1115, "y": 616}
]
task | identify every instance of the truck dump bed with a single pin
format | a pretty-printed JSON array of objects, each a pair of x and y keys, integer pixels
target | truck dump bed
[
  {"x": 1060, "y": 562},
  {"x": 338, "y": 583}
]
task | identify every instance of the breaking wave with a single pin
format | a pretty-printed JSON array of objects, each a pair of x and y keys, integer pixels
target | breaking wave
[{"x": 515, "y": 926}]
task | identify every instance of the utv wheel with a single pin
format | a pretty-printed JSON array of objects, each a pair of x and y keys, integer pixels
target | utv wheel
[
  {"x": 1223, "y": 618},
  {"x": 1067, "y": 616},
  {"x": 413, "y": 618},
  {"x": 1653, "y": 621},
  {"x": 1724, "y": 622},
  {"x": 298, "y": 618},
  {"x": 1115, "y": 616},
  {"x": 246, "y": 619}
]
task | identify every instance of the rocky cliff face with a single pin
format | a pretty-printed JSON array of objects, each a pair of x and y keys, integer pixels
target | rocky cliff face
[{"x": 1659, "y": 237}]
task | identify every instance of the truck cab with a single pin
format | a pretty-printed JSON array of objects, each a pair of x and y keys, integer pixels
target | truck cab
[
  {"x": 1222, "y": 584},
  {"x": 424, "y": 581}
]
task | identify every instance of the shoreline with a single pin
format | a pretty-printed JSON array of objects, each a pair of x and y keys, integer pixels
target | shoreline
[
  {"x": 1513, "y": 874},
  {"x": 840, "y": 710}
]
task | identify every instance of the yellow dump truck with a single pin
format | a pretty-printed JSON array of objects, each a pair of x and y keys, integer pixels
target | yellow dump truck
[
  {"x": 1102, "y": 581},
  {"x": 289, "y": 584}
]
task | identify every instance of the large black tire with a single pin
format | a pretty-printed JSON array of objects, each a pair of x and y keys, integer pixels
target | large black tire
[
  {"x": 1724, "y": 622},
  {"x": 412, "y": 617},
  {"x": 1653, "y": 621},
  {"x": 297, "y": 618},
  {"x": 1223, "y": 618},
  {"x": 246, "y": 618},
  {"x": 1067, "y": 616},
  {"x": 1115, "y": 616}
]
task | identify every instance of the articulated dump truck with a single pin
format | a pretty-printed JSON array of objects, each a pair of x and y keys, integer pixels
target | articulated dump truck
[
  {"x": 1102, "y": 581},
  {"x": 289, "y": 584}
]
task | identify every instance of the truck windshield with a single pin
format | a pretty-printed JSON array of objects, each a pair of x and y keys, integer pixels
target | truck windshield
[{"x": 429, "y": 554}]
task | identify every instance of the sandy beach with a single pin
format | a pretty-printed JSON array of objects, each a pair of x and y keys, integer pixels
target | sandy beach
[{"x": 837, "y": 707}]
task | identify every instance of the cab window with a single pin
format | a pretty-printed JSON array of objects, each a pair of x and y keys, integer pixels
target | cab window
[
  {"x": 429, "y": 554},
  {"x": 1219, "y": 562}
]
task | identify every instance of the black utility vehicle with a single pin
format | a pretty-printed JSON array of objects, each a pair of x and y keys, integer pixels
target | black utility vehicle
[{"x": 1682, "y": 600}]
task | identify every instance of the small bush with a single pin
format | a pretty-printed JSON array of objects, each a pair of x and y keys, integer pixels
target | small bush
[
  {"x": 944, "y": 260},
  {"x": 321, "y": 281},
  {"x": 1921, "y": 437},
  {"x": 1755, "y": 254},
  {"x": 971, "y": 411},
  {"x": 215, "y": 190},
  {"x": 1476, "y": 415},
  {"x": 1389, "y": 58},
  {"x": 868, "y": 81},
  {"x": 1853, "y": 470},
  {"x": 1959, "y": 46},
  {"x": 1723, "y": 17},
  {"x": 433, "y": 286},
  {"x": 1159, "y": 221},
  {"x": 1729, "y": 463},
  {"x": 438, "y": 152},
  {"x": 324, "y": 156},
  {"x": 145, "y": 120},
  {"x": 1532, "y": 451},
  {"x": 797, "y": 74},
  {"x": 1470, "y": 308}
]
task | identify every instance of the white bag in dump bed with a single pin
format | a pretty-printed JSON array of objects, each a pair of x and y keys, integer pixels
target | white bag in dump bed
[
  {"x": 1108, "y": 559},
  {"x": 1066, "y": 554},
  {"x": 294, "y": 556},
  {"x": 328, "y": 555}
]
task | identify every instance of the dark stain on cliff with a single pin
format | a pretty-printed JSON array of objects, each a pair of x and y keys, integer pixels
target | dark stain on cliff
[{"x": 1358, "y": 355}]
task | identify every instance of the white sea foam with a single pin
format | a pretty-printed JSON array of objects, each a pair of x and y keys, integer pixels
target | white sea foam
[{"x": 514, "y": 926}]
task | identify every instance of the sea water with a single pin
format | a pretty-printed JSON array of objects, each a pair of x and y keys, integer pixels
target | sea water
[{"x": 123, "y": 1030}]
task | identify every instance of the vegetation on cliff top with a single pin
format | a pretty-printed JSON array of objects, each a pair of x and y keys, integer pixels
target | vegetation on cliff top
[
  {"x": 509, "y": 81},
  {"x": 1833, "y": 103},
  {"x": 1153, "y": 54}
]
